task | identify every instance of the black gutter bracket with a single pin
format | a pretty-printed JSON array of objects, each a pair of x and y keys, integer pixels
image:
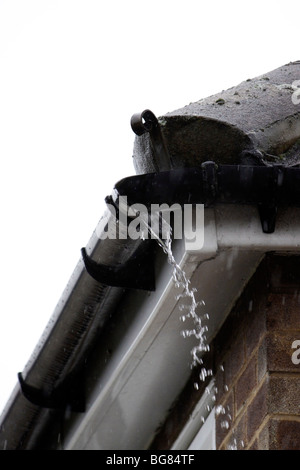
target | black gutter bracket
[
  {"x": 69, "y": 395},
  {"x": 269, "y": 207},
  {"x": 267, "y": 215},
  {"x": 136, "y": 273}
]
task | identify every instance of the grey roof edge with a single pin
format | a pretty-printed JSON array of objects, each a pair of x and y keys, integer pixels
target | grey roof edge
[{"x": 259, "y": 114}]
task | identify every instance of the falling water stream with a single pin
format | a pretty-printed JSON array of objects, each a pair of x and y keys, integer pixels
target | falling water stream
[{"x": 189, "y": 306}]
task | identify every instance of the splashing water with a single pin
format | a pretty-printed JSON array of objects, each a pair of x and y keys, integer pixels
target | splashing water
[
  {"x": 188, "y": 294},
  {"x": 233, "y": 445},
  {"x": 189, "y": 303}
]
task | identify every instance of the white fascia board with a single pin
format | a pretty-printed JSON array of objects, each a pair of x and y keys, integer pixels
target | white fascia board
[
  {"x": 205, "y": 439},
  {"x": 198, "y": 417},
  {"x": 239, "y": 227},
  {"x": 151, "y": 361}
]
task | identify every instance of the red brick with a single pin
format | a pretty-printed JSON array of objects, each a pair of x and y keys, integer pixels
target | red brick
[
  {"x": 258, "y": 341},
  {"x": 236, "y": 439},
  {"x": 263, "y": 438},
  {"x": 257, "y": 410},
  {"x": 284, "y": 434},
  {"x": 256, "y": 326},
  {"x": 234, "y": 360},
  {"x": 279, "y": 351},
  {"x": 284, "y": 394},
  {"x": 221, "y": 431},
  {"x": 220, "y": 384},
  {"x": 240, "y": 433},
  {"x": 283, "y": 312},
  {"x": 254, "y": 445},
  {"x": 262, "y": 360},
  {"x": 245, "y": 384}
]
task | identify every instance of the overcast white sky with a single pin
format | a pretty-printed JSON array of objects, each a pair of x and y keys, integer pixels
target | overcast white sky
[{"x": 72, "y": 72}]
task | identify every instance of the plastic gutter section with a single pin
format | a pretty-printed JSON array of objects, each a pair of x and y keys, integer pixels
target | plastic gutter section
[
  {"x": 238, "y": 226},
  {"x": 83, "y": 310},
  {"x": 151, "y": 359}
]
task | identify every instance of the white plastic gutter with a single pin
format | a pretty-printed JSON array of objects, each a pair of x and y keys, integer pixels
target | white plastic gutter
[
  {"x": 82, "y": 312},
  {"x": 150, "y": 362}
]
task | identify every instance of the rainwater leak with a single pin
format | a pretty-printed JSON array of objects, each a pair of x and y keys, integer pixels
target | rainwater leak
[
  {"x": 188, "y": 305},
  {"x": 189, "y": 308}
]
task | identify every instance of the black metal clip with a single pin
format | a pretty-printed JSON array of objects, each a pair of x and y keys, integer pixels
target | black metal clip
[
  {"x": 268, "y": 208},
  {"x": 267, "y": 215},
  {"x": 146, "y": 121}
]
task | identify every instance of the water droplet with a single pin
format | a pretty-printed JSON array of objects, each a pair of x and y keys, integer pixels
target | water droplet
[
  {"x": 225, "y": 425},
  {"x": 220, "y": 410},
  {"x": 232, "y": 446}
]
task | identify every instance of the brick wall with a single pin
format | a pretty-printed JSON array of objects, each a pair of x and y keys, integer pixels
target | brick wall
[{"x": 258, "y": 384}]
